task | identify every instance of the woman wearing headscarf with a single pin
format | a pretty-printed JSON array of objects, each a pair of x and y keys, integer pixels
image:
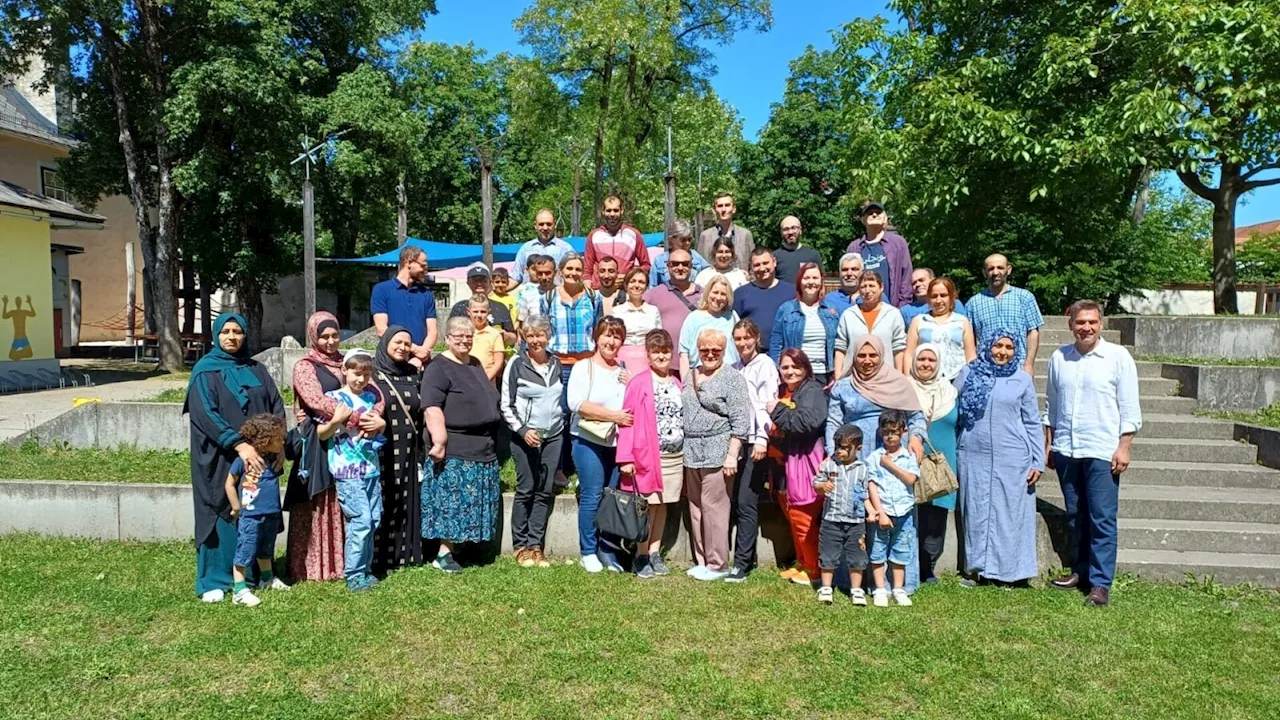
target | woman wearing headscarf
[
  {"x": 226, "y": 388},
  {"x": 316, "y": 531},
  {"x": 1001, "y": 454},
  {"x": 872, "y": 386},
  {"x": 938, "y": 402},
  {"x": 398, "y": 539}
]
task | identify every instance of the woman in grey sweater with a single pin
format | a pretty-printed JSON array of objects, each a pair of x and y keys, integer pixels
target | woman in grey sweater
[{"x": 717, "y": 420}]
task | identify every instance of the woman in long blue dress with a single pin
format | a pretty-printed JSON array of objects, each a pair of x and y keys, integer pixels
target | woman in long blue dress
[
  {"x": 226, "y": 388},
  {"x": 938, "y": 402},
  {"x": 1001, "y": 454}
]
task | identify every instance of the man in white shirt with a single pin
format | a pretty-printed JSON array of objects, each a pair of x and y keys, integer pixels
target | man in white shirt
[
  {"x": 1091, "y": 415},
  {"x": 546, "y": 243}
]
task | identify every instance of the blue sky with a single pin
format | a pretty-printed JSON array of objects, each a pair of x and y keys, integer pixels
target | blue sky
[{"x": 757, "y": 74}]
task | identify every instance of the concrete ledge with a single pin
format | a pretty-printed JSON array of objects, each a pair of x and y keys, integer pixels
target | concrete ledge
[
  {"x": 126, "y": 511},
  {"x": 1267, "y": 439},
  {"x": 1227, "y": 387},
  {"x": 1233, "y": 338},
  {"x": 141, "y": 425},
  {"x": 279, "y": 363}
]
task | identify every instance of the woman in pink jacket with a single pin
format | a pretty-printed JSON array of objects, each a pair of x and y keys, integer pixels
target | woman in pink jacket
[{"x": 651, "y": 451}]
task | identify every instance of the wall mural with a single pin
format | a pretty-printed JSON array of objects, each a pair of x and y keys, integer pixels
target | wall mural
[
  {"x": 26, "y": 293},
  {"x": 21, "y": 347}
]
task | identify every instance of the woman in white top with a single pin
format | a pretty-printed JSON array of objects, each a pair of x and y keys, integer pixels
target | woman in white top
[
  {"x": 943, "y": 327},
  {"x": 640, "y": 317},
  {"x": 722, "y": 263},
  {"x": 596, "y": 389},
  {"x": 761, "y": 374},
  {"x": 873, "y": 316}
]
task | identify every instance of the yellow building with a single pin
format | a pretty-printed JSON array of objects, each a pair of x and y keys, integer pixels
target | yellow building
[
  {"x": 31, "y": 144},
  {"x": 34, "y": 292}
]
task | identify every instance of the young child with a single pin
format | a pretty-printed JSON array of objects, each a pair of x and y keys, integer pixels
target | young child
[
  {"x": 842, "y": 536},
  {"x": 353, "y": 461},
  {"x": 255, "y": 505},
  {"x": 487, "y": 345},
  {"x": 504, "y": 291},
  {"x": 893, "y": 473}
]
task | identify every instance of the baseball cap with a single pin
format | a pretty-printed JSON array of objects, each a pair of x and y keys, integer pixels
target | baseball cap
[
  {"x": 478, "y": 271},
  {"x": 355, "y": 352},
  {"x": 868, "y": 207}
]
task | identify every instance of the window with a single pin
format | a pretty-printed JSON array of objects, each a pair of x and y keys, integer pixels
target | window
[{"x": 52, "y": 187}]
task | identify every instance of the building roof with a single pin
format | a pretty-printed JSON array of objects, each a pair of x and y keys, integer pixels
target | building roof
[
  {"x": 17, "y": 196},
  {"x": 18, "y": 117},
  {"x": 1262, "y": 228}
]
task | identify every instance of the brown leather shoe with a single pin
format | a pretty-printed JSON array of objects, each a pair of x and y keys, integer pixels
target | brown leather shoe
[
  {"x": 1098, "y": 597},
  {"x": 524, "y": 557},
  {"x": 539, "y": 559},
  {"x": 1066, "y": 582}
]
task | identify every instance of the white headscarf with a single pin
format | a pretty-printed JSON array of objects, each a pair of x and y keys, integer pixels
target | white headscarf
[{"x": 937, "y": 397}]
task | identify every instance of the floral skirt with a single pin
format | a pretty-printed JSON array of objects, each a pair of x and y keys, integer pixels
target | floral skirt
[
  {"x": 316, "y": 537},
  {"x": 461, "y": 500}
]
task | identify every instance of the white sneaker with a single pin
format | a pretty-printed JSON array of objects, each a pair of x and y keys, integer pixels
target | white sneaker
[
  {"x": 709, "y": 575},
  {"x": 592, "y": 564},
  {"x": 245, "y": 597},
  {"x": 275, "y": 584},
  {"x": 880, "y": 597},
  {"x": 826, "y": 596},
  {"x": 901, "y": 597},
  {"x": 695, "y": 571},
  {"x": 858, "y": 596},
  {"x": 213, "y": 596}
]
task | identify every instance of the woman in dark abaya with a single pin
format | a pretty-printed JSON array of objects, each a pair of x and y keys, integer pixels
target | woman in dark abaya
[
  {"x": 398, "y": 540},
  {"x": 227, "y": 387}
]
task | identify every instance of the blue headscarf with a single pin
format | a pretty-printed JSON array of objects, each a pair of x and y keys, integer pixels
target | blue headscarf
[
  {"x": 983, "y": 372},
  {"x": 236, "y": 369}
]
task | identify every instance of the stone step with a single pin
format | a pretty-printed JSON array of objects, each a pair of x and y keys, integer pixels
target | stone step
[
  {"x": 1197, "y": 474},
  {"x": 1148, "y": 386},
  {"x": 1203, "y": 504},
  {"x": 1222, "y": 567},
  {"x": 1189, "y": 535},
  {"x": 1146, "y": 368},
  {"x": 1051, "y": 337},
  {"x": 1214, "y": 452},
  {"x": 1185, "y": 426},
  {"x": 1168, "y": 405}
]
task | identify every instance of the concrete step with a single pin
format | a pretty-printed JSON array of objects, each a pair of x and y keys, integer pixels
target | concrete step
[
  {"x": 1169, "y": 405},
  {"x": 1188, "y": 535},
  {"x": 1149, "y": 386},
  {"x": 1052, "y": 337},
  {"x": 1216, "y": 452},
  {"x": 1225, "y": 568},
  {"x": 1197, "y": 474},
  {"x": 1202, "y": 504},
  {"x": 1185, "y": 426},
  {"x": 1146, "y": 369}
]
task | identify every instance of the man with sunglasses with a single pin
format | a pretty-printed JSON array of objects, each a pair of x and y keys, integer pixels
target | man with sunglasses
[
  {"x": 679, "y": 296},
  {"x": 886, "y": 253}
]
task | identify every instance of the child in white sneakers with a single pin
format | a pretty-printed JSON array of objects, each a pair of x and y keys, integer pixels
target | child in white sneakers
[
  {"x": 255, "y": 505},
  {"x": 842, "y": 478},
  {"x": 894, "y": 471}
]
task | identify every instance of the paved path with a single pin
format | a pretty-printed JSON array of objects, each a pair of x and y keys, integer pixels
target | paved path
[{"x": 23, "y": 411}]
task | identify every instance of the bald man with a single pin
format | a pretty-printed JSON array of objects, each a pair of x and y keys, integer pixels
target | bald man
[
  {"x": 792, "y": 254},
  {"x": 1003, "y": 308},
  {"x": 546, "y": 243}
]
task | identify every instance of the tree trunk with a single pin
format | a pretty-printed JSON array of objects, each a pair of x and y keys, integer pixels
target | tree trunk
[
  {"x": 168, "y": 340},
  {"x": 249, "y": 302},
  {"x": 189, "y": 298},
  {"x": 1141, "y": 198},
  {"x": 575, "y": 225},
  {"x": 1224, "y": 245},
  {"x": 486, "y": 209},
  {"x": 402, "y": 211},
  {"x": 349, "y": 240},
  {"x": 606, "y": 81}
]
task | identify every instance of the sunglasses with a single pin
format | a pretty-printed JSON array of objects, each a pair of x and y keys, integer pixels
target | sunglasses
[
  {"x": 679, "y": 263},
  {"x": 711, "y": 351}
]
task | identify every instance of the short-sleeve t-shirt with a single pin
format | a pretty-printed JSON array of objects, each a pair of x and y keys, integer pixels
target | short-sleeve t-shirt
[
  {"x": 470, "y": 405},
  {"x": 408, "y": 305},
  {"x": 258, "y": 495},
  {"x": 486, "y": 343},
  {"x": 873, "y": 258},
  {"x": 351, "y": 456}
]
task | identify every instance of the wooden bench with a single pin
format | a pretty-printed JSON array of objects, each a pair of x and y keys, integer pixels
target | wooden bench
[{"x": 194, "y": 346}]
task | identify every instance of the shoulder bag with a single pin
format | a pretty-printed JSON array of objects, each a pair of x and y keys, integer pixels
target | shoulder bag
[
  {"x": 936, "y": 476},
  {"x": 600, "y": 432}
]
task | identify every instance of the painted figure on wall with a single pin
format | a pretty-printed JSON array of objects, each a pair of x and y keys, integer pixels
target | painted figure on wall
[{"x": 21, "y": 348}]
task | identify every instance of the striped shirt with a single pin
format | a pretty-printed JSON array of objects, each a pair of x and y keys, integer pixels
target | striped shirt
[
  {"x": 573, "y": 324},
  {"x": 846, "y": 503}
]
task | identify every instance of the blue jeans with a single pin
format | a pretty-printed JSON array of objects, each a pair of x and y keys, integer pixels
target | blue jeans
[
  {"x": 896, "y": 543},
  {"x": 1092, "y": 495},
  {"x": 361, "y": 502},
  {"x": 597, "y": 467}
]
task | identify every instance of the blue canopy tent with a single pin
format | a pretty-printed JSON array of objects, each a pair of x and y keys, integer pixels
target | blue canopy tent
[{"x": 445, "y": 255}]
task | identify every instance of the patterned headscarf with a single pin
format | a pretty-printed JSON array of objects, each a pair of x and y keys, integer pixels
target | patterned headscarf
[
  {"x": 982, "y": 376},
  {"x": 318, "y": 323}
]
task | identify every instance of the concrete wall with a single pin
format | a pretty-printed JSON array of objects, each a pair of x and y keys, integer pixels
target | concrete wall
[
  {"x": 1266, "y": 438},
  {"x": 1182, "y": 302},
  {"x": 144, "y": 425},
  {"x": 1233, "y": 338},
  {"x": 1220, "y": 387}
]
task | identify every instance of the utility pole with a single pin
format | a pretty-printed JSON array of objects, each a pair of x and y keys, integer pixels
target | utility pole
[
  {"x": 486, "y": 208},
  {"x": 307, "y": 158},
  {"x": 669, "y": 184},
  {"x": 697, "y": 213}
]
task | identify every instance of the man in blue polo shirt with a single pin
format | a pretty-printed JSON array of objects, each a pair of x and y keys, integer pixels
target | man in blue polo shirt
[{"x": 405, "y": 300}]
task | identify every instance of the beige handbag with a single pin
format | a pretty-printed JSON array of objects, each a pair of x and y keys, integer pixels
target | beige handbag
[
  {"x": 600, "y": 432},
  {"x": 936, "y": 476}
]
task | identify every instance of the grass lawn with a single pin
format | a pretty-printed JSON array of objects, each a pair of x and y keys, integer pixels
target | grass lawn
[
  {"x": 177, "y": 395},
  {"x": 1267, "y": 417},
  {"x": 96, "y": 629},
  {"x": 1252, "y": 362}
]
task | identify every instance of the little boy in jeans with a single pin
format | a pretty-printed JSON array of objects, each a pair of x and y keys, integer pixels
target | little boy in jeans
[
  {"x": 255, "y": 505},
  {"x": 843, "y": 479},
  {"x": 353, "y": 462},
  {"x": 894, "y": 471}
]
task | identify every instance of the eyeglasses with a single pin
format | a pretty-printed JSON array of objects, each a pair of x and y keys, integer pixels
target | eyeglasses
[
  {"x": 463, "y": 337},
  {"x": 679, "y": 263},
  {"x": 711, "y": 351}
]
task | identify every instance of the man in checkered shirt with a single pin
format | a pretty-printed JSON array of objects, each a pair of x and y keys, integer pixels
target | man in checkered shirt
[{"x": 1002, "y": 307}]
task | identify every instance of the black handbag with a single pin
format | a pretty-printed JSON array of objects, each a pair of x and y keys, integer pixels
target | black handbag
[{"x": 623, "y": 514}]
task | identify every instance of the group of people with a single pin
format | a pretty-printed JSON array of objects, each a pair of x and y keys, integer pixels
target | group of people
[{"x": 703, "y": 374}]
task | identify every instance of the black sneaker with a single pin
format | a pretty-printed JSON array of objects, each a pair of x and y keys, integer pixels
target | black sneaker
[
  {"x": 736, "y": 575},
  {"x": 447, "y": 564}
]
